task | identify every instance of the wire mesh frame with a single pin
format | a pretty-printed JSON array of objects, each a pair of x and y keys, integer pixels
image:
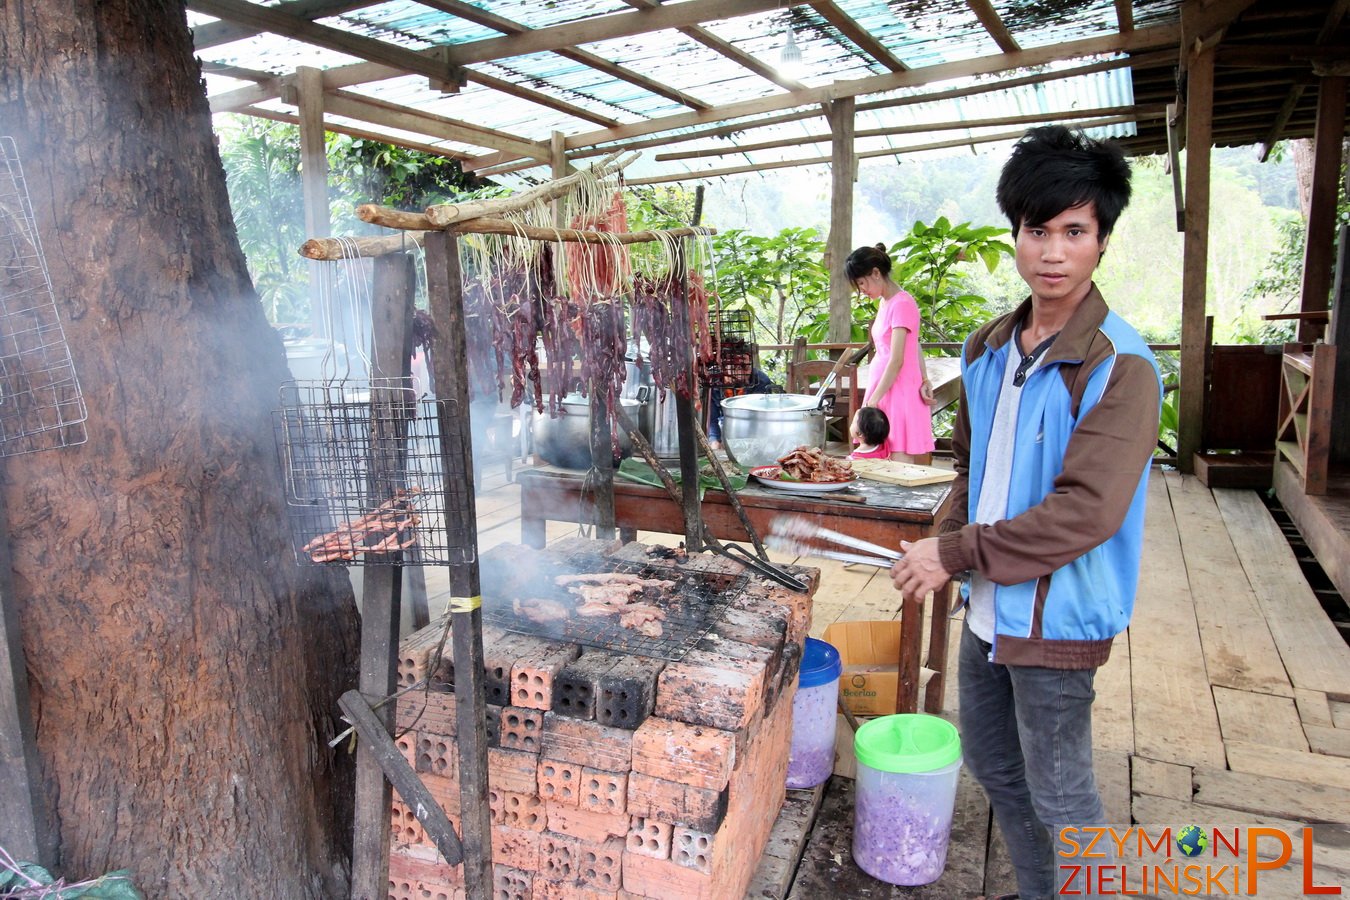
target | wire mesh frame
[
  {"x": 733, "y": 349},
  {"x": 366, "y": 480},
  {"x": 41, "y": 407}
]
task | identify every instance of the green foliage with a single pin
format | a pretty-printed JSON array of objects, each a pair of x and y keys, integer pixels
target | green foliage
[
  {"x": 927, "y": 265},
  {"x": 780, "y": 280},
  {"x": 29, "y": 881},
  {"x": 363, "y": 171}
]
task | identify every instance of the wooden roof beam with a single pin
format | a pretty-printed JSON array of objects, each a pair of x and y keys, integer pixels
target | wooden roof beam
[
  {"x": 860, "y": 36},
  {"x": 265, "y": 18},
  {"x": 1125, "y": 15},
  {"x": 471, "y": 13},
  {"x": 340, "y": 128},
  {"x": 213, "y": 34},
  {"x": 1155, "y": 37},
  {"x": 1028, "y": 119},
  {"x": 607, "y": 27},
  {"x": 1335, "y": 15},
  {"x": 993, "y": 23},
  {"x": 403, "y": 118},
  {"x": 868, "y": 154},
  {"x": 727, "y": 49}
]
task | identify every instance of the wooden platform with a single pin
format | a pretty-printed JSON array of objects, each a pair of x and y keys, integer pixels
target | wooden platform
[
  {"x": 1228, "y": 701},
  {"x": 1322, "y": 519}
]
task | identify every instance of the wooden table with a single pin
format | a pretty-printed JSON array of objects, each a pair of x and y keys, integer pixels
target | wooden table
[{"x": 891, "y": 514}]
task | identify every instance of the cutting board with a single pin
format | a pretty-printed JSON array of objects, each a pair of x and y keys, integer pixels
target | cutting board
[{"x": 902, "y": 473}]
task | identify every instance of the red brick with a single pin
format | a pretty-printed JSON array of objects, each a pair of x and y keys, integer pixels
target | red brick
[
  {"x": 595, "y": 827},
  {"x": 445, "y": 791},
  {"x": 649, "y": 837},
  {"x": 511, "y": 884},
  {"x": 418, "y": 879},
  {"x": 587, "y": 743},
  {"x": 515, "y": 847},
  {"x": 557, "y": 857},
  {"x": 415, "y": 651},
  {"x": 532, "y": 676},
  {"x": 560, "y": 782},
  {"x": 521, "y": 728},
  {"x": 407, "y": 748},
  {"x": 675, "y": 803},
  {"x": 569, "y": 890},
  {"x": 604, "y": 792},
  {"x": 692, "y": 849},
  {"x": 661, "y": 878},
  {"x": 426, "y": 712},
  {"x": 404, "y": 828},
  {"x": 437, "y": 755},
  {"x": 691, "y": 754},
  {"x": 707, "y": 689},
  {"x": 523, "y": 811},
  {"x": 513, "y": 770},
  {"x": 601, "y": 864}
]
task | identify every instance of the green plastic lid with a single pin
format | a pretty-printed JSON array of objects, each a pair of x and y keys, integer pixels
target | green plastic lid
[{"x": 907, "y": 743}]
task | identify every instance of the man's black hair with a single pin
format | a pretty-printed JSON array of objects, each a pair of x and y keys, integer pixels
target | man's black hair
[{"x": 1053, "y": 168}]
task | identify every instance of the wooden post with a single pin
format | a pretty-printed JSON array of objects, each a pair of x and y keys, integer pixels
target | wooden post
[
  {"x": 1338, "y": 333},
  {"x": 24, "y": 827},
  {"x": 381, "y": 587},
  {"x": 445, "y": 296},
  {"x": 313, "y": 175},
  {"x": 843, "y": 164},
  {"x": 1326, "y": 174},
  {"x": 1199, "y": 128},
  {"x": 684, "y": 407}
]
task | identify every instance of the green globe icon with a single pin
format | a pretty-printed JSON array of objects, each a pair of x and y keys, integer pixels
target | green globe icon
[{"x": 1192, "y": 840}]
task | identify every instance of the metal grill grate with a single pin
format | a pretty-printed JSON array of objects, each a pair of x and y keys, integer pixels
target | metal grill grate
[
  {"x": 366, "y": 481},
  {"x": 513, "y": 586},
  {"x": 40, "y": 403},
  {"x": 733, "y": 349}
]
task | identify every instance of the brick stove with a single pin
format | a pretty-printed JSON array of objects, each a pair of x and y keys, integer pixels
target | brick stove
[{"x": 610, "y": 774}]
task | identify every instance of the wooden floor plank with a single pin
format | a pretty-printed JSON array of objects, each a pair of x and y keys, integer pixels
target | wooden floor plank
[
  {"x": 1314, "y": 653},
  {"x": 787, "y": 840},
  {"x": 1313, "y": 707},
  {"x": 1112, "y": 769},
  {"x": 1174, "y": 715},
  {"x": 1259, "y": 718},
  {"x": 1271, "y": 796},
  {"x": 1113, "y": 710},
  {"x": 1278, "y": 762},
  {"x": 1330, "y": 741},
  {"x": 1160, "y": 779},
  {"x": 1239, "y": 650}
]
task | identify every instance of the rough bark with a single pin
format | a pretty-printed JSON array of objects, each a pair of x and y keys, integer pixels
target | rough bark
[{"x": 184, "y": 669}]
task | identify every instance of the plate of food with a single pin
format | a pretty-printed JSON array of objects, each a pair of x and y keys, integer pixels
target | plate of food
[{"x": 775, "y": 477}]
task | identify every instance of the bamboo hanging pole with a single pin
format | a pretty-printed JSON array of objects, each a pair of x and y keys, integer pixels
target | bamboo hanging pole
[
  {"x": 445, "y": 214},
  {"x": 340, "y": 248}
]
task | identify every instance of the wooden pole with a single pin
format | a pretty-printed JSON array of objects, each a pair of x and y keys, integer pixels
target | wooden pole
[
  {"x": 684, "y": 407},
  {"x": 313, "y": 175},
  {"x": 24, "y": 824},
  {"x": 843, "y": 164},
  {"x": 449, "y": 213},
  {"x": 382, "y": 585},
  {"x": 1199, "y": 122},
  {"x": 1326, "y": 176},
  {"x": 446, "y": 300},
  {"x": 335, "y": 248}
]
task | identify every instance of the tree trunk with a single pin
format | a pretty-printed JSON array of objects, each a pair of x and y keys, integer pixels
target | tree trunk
[{"x": 184, "y": 669}]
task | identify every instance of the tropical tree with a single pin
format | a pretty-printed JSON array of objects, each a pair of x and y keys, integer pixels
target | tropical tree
[{"x": 184, "y": 670}]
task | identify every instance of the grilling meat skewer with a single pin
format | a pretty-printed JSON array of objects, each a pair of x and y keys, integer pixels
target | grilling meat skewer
[
  {"x": 616, "y": 593},
  {"x": 391, "y": 524}
]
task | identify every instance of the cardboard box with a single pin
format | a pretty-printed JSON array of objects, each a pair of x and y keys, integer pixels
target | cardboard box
[
  {"x": 870, "y": 652},
  {"x": 845, "y": 760}
]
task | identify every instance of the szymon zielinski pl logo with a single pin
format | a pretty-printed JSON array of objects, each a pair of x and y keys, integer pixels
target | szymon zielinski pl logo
[{"x": 1195, "y": 861}]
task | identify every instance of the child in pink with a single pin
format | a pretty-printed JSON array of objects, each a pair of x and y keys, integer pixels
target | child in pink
[
  {"x": 870, "y": 429},
  {"x": 898, "y": 385}
]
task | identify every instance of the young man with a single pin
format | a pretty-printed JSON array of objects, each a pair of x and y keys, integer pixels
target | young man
[{"x": 1058, "y": 421}]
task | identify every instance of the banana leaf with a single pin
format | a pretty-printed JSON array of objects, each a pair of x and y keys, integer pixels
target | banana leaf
[{"x": 638, "y": 470}]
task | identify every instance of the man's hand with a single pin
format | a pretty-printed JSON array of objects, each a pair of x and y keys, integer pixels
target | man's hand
[{"x": 920, "y": 571}]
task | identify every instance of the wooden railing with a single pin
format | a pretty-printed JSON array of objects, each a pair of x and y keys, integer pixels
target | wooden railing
[{"x": 1303, "y": 436}]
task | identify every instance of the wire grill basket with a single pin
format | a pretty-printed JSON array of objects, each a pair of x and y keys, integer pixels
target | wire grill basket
[
  {"x": 366, "y": 481},
  {"x": 40, "y": 403},
  {"x": 733, "y": 349}
]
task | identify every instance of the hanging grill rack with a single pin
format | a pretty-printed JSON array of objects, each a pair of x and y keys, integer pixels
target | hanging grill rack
[
  {"x": 366, "y": 481},
  {"x": 733, "y": 346},
  {"x": 40, "y": 402}
]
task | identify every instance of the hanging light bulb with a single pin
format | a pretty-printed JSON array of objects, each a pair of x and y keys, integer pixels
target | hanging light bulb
[{"x": 790, "y": 58}]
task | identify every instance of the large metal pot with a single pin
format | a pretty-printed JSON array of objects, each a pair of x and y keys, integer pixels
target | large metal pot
[
  {"x": 566, "y": 440},
  {"x": 759, "y": 428},
  {"x": 657, "y": 420}
]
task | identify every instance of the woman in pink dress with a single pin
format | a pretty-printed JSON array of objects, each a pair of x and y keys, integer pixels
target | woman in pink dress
[{"x": 899, "y": 384}]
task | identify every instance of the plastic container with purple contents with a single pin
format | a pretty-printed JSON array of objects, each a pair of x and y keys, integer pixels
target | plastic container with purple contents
[
  {"x": 907, "y": 770},
  {"x": 811, "y": 758}
]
